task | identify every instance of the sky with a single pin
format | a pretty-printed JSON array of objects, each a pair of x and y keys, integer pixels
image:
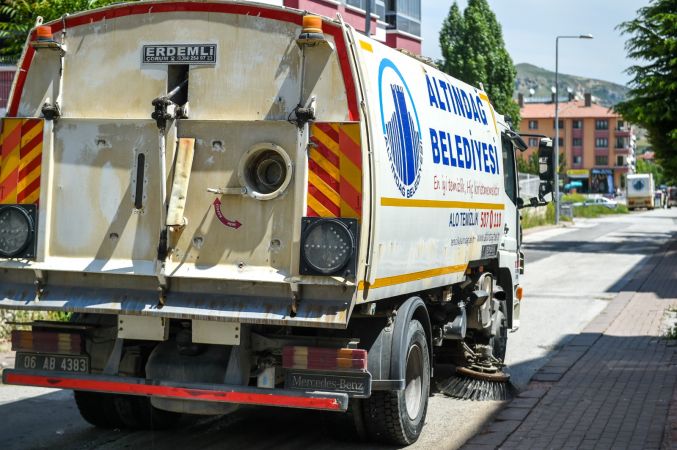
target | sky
[{"x": 530, "y": 28}]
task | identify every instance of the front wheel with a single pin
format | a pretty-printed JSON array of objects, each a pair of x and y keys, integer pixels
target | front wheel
[{"x": 397, "y": 417}]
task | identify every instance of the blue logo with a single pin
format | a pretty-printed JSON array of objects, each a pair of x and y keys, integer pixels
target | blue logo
[
  {"x": 638, "y": 185},
  {"x": 401, "y": 129}
]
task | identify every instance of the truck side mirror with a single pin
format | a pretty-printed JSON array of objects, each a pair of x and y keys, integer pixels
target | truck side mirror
[{"x": 546, "y": 168}]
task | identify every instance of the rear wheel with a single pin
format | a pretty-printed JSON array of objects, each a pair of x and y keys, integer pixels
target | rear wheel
[
  {"x": 98, "y": 409},
  {"x": 138, "y": 413},
  {"x": 397, "y": 417}
]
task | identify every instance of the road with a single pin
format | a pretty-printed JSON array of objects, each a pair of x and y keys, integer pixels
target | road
[{"x": 571, "y": 274}]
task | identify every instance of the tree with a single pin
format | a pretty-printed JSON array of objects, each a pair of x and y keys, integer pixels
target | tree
[
  {"x": 529, "y": 164},
  {"x": 17, "y": 17},
  {"x": 652, "y": 101},
  {"x": 643, "y": 166},
  {"x": 473, "y": 51}
]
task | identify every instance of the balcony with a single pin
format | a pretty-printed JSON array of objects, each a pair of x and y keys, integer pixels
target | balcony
[
  {"x": 577, "y": 132},
  {"x": 622, "y": 132},
  {"x": 601, "y": 151},
  {"x": 623, "y": 150},
  {"x": 601, "y": 134}
]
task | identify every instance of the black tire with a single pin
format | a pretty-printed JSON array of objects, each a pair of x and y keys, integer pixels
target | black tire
[
  {"x": 499, "y": 342},
  {"x": 138, "y": 413},
  {"x": 98, "y": 409},
  {"x": 386, "y": 415}
]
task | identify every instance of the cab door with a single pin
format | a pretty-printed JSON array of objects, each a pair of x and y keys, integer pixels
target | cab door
[{"x": 511, "y": 224}]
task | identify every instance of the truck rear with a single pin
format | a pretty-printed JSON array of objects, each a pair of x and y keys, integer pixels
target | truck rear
[
  {"x": 246, "y": 204},
  {"x": 640, "y": 191}
]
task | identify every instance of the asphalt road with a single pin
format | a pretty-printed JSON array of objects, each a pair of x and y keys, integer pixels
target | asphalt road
[{"x": 571, "y": 275}]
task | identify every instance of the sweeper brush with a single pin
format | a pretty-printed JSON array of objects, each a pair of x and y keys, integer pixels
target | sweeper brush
[{"x": 467, "y": 384}]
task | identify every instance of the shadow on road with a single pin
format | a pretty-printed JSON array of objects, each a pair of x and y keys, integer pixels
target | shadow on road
[{"x": 632, "y": 244}]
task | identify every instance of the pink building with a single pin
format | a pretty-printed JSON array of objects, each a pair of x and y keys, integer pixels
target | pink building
[
  {"x": 6, "y": 77},
  {"x": 396, "y": 23}
]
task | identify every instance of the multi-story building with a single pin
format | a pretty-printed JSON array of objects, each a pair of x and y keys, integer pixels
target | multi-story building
[
  {"x": 6, "y": 76},
  {"x": 396, "y": 23},
  {"x": 598, "y": 145}
]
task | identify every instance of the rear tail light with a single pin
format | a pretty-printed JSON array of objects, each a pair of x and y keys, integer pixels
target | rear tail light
[
  {"x": 47, "y": 342},
  {"x": 316, "y": 358}
]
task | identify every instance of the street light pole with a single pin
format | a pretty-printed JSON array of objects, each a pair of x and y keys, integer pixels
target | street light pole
[{"x": 557, "y": 199}]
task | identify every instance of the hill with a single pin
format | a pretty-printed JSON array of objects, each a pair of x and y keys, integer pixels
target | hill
[{"x": 542, "y": 81}]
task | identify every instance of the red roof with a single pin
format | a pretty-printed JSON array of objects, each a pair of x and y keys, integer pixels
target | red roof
[{"x": 574, "y": 109}]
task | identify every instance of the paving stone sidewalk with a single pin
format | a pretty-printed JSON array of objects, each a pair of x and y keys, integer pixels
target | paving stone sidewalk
[{"x": 614, "y": 386}]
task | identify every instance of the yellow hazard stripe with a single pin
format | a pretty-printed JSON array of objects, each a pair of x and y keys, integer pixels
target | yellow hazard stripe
[{"x": 327, "y": 190}]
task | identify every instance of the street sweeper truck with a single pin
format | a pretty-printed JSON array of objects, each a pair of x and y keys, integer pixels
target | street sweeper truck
[{"x": 242, "y": 204}]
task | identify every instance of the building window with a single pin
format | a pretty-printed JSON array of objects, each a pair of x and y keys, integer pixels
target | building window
[
  {"x": 577, "y": 142},
  {"x": 561, "y": 142},
  {"x": 601, "y": 143},
  {"x": 601, "y": 124},
  {"x": 561, "y": 124},
  {"x": 533, "y": 142},
  {"x": 620, "y": 162},
  {"x": 620, "y": 125},
  {"x": 601, "y": 160},
  {"x": 533, "y": 124},
  {"x": 620, "y": 142},
  {"x": 578, "y": 160},
  {"x": 577, "y": 124},
  {"x": 404, "y": 15},
  {"x": 377, "y": 6}
]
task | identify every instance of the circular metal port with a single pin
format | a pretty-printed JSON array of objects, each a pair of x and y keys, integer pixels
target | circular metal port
[{"x": 265, "y": 170}]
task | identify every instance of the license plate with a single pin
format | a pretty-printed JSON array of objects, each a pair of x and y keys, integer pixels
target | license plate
[
  {"x": 56, "y": 363},
  {"x": 355, "y": 385}
]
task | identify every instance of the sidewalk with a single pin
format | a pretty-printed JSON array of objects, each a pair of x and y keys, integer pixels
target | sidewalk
[{"x": 612, "y": 386}]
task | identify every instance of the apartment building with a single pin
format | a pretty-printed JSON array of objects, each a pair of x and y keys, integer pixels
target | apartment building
[
  {"x": 598, "y": 145},
  {"x": 396, "y": 23},
  {"x": 7, "y": 72}
]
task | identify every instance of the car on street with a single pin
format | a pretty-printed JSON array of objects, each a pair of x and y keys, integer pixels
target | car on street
[{"x": 598, "y": 201}]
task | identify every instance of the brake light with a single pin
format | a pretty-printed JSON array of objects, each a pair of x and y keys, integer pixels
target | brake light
[
  {"x": 46, "y": 342},
  {"x": 297, "y": 357}
]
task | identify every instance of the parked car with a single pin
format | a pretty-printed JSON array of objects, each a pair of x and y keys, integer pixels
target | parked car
[{"x": 600, "y": 201}]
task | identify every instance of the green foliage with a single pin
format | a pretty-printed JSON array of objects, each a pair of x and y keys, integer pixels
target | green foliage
[
  {"x": 7, "y": 317},
  {"x": 574, "y": 198},
  {"x": 473, "y": 51},
  {"x": 531, "y": 217},
  {"x": 593, "y": 211},
  {"x": 643, "y": 166},
  {"x": 528, "y": 165},
  {"x": 18, "y": 17},
  {"x": 653, "y": 95},
  {"x": 671, "y": 332}
]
